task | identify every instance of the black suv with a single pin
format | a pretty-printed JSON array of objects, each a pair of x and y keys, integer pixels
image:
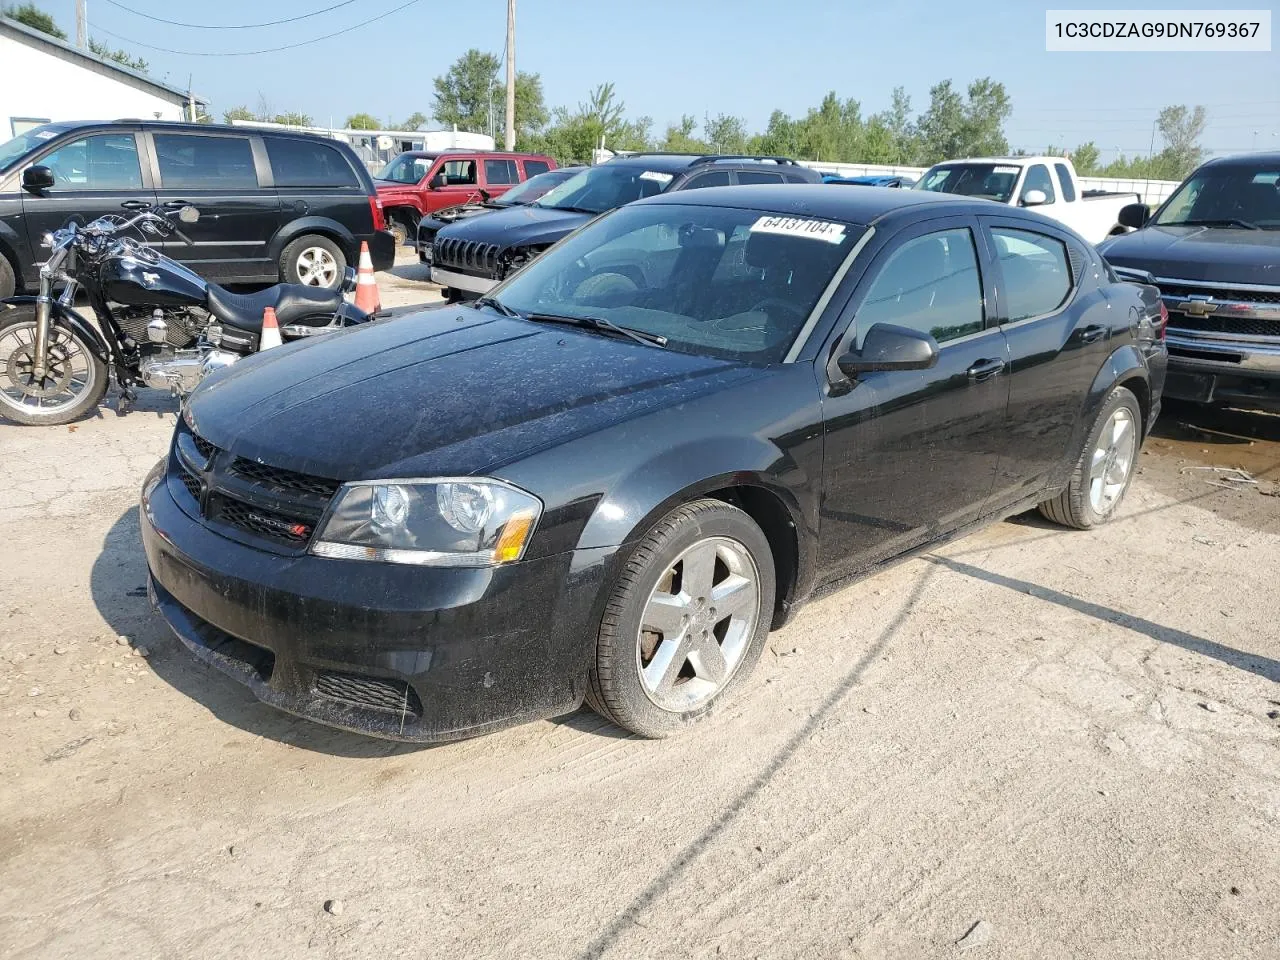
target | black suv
[
  {"x": 274, "y": 205},
  {"x": 471, "y": 257}
]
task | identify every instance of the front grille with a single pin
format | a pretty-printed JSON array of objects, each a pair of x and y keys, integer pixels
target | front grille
[
  {"x": 467, "y": 255},
  {"x": 1213, "y": 323},
  {"x": 1241, "y": 296},
  {"x": 265, "y": 523},
  {"x": 284, "y": 479},
  {"x": 191, "y": 483},
  {"x": 371, "y": 693},
  {"x": 206, "y": 448}
]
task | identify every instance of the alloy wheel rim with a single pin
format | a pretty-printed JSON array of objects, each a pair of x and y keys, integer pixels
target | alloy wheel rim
[
  {"x": 1112, "y": 461},
  {"x": 317, "y": 267},
  {"x": 697, "y": 624},
  {"x": 68, "y": 375}
]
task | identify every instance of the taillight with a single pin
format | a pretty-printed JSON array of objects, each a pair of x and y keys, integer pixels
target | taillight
[
  {"x": 375, "y": 208},
  {"x": 1164, "y": 320}
]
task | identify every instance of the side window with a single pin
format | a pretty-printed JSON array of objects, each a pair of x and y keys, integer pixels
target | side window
[
  {"x": 752, "y": 176},
  {"x": 107, "y": 162},
  {"x": 459, "y": 173},
  {"x": 205, "y": 163},
  {"x": 1037, "y": 273},
  {"x": 1038, "y": 179},
  {"x": 534, "y": 167},
  {"x": 501, "y": 171},
  {"x": 717, "y": 178},
  {"x": 301, "y": 163},
  {"x": 1064, "y": 179},
  {"x": 930, "y": 284}
]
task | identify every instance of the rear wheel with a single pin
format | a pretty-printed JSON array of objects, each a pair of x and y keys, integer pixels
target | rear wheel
[
  {"x": 73, "y": 383},
  {"x": 315, "y": 261},
  {"x": 686, "y": 621},
  {"x": 1105, "y": 469}
]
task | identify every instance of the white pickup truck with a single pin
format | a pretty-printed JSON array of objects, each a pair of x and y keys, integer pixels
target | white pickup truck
[{"x": 1049, "y": 184}]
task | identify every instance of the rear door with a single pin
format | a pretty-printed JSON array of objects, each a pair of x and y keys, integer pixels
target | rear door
[
  {"x": 226, "y": 176},
  {"x": 93, "y": 175},
  {"x": 315, "y": 179},
  {"x": 533, "y": 166},
  {"x": 500, "y": 175}
]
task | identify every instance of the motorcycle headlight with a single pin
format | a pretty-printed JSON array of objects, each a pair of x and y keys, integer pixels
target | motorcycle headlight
[{"x": 445, "y": 522}]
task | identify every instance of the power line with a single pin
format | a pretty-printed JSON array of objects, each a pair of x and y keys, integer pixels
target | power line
[
  {"x": 250, "y": 53},
  {"x": 235, "y": 26}
]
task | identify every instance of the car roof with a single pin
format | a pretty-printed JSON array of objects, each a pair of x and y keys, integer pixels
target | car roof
[
  {"x": 820, "y": 200},
  {"x": 1245, "y": 160}
]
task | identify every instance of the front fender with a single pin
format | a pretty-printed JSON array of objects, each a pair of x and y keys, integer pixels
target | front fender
[{"x": 64, "y": 316}]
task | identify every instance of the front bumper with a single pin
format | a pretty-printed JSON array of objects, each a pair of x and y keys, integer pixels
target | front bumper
[
  {"x": 1219, "y": 369},
  {"x": 462, "y": 281},
  {"x": 401, "y": 652}
]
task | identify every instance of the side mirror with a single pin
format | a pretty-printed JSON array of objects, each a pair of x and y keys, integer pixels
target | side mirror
[
  {"x": 188, "y": 214},
  {"x": 887, "y": 346},
  {"x": 436, "y": 182},
  {"x": 1134, "y": 215},
  {"x": 37, "y": 178},
  {"x": 1034, "y": 198}
]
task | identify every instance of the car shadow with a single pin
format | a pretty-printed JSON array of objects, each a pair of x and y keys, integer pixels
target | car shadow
[
  {"x": 118, "y": 584},
  {"x": 417, "y": 272}
]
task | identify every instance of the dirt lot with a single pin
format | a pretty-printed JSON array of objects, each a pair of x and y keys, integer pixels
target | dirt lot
[{"x": 1070, "y": 737}]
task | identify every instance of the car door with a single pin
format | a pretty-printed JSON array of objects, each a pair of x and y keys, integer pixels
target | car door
[
  {"x": 93, "y": 176},
  {"x": 460, "y": 182},
  {"x": 500, "y": 175},
  {"x": 1057, "y": 321},
  {"x": 911, "y": 455},
  {"x": 226, "y": 176},
  {"x": 314, "y": 179}
]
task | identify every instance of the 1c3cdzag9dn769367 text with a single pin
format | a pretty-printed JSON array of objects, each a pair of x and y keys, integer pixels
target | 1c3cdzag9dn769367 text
[{"x": 611, "y": 477}]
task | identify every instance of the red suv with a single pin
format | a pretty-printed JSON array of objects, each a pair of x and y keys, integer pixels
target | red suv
[{"x": 416, "y": 184}]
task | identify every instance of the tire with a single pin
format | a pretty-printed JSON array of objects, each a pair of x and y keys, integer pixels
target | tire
[
  {"x": 17, "y": 333},
  {"x": 8, "y": 282},
  {"x": 712, "y": 544},
  {"x": 314, "y": 261},
  {"x": 1090, "y": 500},
  {"x": 401, "y": 228}
]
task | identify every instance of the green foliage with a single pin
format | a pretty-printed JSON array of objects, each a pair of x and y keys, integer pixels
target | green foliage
[
  {"x": 725, "y": 134},
  {"x": 30, "y": 15},
  {"x": 238, "y": 113},
  {"x": 293, "y": 119},
  {"x": 1180, "y": 129},
  {"x": 362, "y": 121},
  {"x": 414, "y": 121},
  {"x": 471, "y": 88},
  {"x": 572, "y": 135},
  {"x": 680, "y": 139},
  {"x": 121, "y": 57},
  {"x": 1085, "y": 159},
  {"x": 970, "y": 126}
]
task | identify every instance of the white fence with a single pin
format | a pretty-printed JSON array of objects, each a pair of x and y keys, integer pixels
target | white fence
[{"x": 1153, "y": 192}]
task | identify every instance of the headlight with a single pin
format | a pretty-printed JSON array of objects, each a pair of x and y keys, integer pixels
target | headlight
[{"x": 446, "y": 522}]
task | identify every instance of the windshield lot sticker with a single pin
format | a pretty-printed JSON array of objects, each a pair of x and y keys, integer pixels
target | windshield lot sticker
[
  {"x": 656, "y": 177},
  {"x": 798, "y": 227},
  {"x": 1006, "y": 169}
]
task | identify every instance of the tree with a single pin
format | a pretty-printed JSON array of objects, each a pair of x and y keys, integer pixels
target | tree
[
  {"x": 415, "y": 120},
  {"x": 30, "y": 15},
  {"x": 469, "y": 96},
  {"x": 1085, "y": 159},
  {"x": 679, "y": 138},
  {"x": 293, "y": 118},
  {"x": 238, "y": 113},
  {"x": 362, "y": 121},
  {"x": 956, "y": 126},
  {"x": 1181, "y": 130},
  {"x": 121, "y": 57},
  {"x": 725, "y": 134},
  {"x": 572, "y": 136}
]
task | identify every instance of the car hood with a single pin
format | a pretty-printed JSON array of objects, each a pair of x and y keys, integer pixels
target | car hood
[
  {"x": 1212, "y": 254},
  {"x": 452, "y": 391},
  {"x": 518, "y": 227}
]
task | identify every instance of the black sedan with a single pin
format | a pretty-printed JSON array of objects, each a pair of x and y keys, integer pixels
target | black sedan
[{"x": 610, "y": 479}]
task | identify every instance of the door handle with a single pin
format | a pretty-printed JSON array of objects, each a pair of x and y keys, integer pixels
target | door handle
[
  {"x": 1092, "y": 334},
  {"x": 984, "y": 370},
  {"x": 176, "y": 204},
  {"x": 135, "y": 205}
]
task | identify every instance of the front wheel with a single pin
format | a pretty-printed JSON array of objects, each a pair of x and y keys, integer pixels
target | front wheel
[
  {"x": 686, "y": 620},
  {"x": 1105, "y": 468},
  {"x": 74, "y": 381}
]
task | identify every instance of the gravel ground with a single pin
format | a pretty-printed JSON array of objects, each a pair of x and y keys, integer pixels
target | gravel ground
[{"x": 1029, "y": 743}]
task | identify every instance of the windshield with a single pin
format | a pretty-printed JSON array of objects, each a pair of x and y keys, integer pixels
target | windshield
[
  {"x": 24, "y": 143},
  {"x": 406, "y": 168},
  {"x": 607, "y": 186},
  {"x": 716, "y": 281},
  {"x": 987, "y": 181},
  {"x": 532, "y": 189},
  {"x": 1235, "y": 196}
]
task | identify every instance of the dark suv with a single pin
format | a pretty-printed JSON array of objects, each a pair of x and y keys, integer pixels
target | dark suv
[
  {"x": 274, "y": 205},
  {"x": 470, "y": 257}
]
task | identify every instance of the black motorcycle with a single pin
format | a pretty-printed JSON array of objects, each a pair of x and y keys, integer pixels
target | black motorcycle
[{"x": 159, "y": 324}]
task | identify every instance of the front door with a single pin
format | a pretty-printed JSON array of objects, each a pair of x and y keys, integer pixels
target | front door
[
  {"x": 911, "y": 455},
  {"x": 218, "y": 174},
  {"x": 459, "y": 183},
  {"x": 93, "y": 175}
]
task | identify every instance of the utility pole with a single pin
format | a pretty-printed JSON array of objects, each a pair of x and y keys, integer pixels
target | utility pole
[
  {"x": 82, "y": 26},
  {"x": 511, "y": 75}
]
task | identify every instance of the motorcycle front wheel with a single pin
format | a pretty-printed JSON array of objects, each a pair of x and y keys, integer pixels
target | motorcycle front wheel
[{"x": 73, "y": 383}]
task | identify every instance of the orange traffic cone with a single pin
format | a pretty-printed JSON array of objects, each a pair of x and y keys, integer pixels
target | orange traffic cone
[
  {"x": 367, "y": 298},
  {"x": 270, "y": 330}
]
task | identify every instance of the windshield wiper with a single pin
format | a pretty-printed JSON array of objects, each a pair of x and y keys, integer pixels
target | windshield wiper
[
  {"x": 571, "y": 209},
  {"x": 600, "y": 323},
  {"x": 1217, "y": 221},
  {"x": 501, "y": 307}
]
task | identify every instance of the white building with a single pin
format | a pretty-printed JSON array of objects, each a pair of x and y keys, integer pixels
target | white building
[{"x": 43, "y": 79}]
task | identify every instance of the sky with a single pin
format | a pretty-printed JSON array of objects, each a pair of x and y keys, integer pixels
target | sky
[{"x": 667, "y": 58}]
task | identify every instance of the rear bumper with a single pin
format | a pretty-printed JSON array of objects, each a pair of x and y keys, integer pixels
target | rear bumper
[
  {"x": 382, "y": 249},
  {"x": 462, "y": 281}
]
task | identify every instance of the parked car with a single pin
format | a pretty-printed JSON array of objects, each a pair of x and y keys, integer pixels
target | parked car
[
  {"x": 518, "y": 196},
  {"x": 1027, "y": 182},
  {"x": 469, "y": 258},
  {"x": 417, "y": 184},
  {"x": 611, "y": 476},
  {"x": 1213, "y": 249},
  {"x": 899, "y": 182},
  {"x": 275, "y": 205}
]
